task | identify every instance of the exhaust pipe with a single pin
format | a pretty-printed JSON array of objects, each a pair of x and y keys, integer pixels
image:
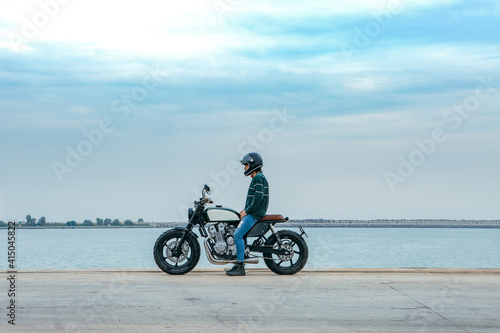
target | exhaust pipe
[{"x": 212, "y": 260}]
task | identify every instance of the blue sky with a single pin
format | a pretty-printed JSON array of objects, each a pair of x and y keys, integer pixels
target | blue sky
[{"x": 338, "y": 98}]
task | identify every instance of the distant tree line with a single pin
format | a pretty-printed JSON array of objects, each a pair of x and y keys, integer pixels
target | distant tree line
[{"x": 31, "y": 221}]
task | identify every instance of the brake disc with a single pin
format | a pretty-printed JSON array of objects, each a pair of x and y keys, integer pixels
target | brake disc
[{"x": 182, "y": 257}]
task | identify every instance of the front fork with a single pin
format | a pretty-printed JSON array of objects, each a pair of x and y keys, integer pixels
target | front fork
[{"x": 177, "y": 251}]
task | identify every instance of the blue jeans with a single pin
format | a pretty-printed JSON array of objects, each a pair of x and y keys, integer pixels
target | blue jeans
[{"x": 246, "y": 224}]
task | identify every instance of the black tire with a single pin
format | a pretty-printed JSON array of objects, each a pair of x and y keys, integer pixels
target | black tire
[
  {"x": 287, "y": 265},
  {"x": 162, "y": 253}
]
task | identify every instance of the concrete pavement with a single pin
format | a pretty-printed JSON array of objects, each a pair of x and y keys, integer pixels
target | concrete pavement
[{"x": 205, "y": 300}]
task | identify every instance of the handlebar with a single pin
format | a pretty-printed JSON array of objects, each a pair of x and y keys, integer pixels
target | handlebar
[{"x": 203, "y": 200}]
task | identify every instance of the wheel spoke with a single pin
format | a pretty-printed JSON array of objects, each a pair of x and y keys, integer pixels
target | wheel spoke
[
  {"x": 279, "y": 263},
  {"x": 176, "y": 263}
]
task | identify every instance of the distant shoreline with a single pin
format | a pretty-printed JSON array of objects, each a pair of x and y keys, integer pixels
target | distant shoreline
[
  {"x": 490, "y": 224},
  {"x": 310, "y": 223}
]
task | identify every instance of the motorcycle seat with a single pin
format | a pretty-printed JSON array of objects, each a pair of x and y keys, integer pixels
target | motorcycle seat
[{"x": 277, "y": 218}]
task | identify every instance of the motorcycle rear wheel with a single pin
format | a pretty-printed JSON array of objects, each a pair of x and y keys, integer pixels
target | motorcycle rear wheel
[
  {"x": 162, "y": 252},
  {"x": 290, "y": 264}
]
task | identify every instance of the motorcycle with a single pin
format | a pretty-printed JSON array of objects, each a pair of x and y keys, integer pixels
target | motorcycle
[{"x": 177, "y": 250}]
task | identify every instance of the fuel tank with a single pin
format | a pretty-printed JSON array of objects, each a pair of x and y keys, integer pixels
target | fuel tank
[{"x": 221, "y": 214}]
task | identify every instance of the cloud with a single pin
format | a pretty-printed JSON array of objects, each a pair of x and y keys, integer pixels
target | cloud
[
  {"x": 227, "y": 74},
  {"x": 337, "y": 8}
]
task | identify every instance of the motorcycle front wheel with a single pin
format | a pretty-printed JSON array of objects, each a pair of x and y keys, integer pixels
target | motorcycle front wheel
[
  {"x": 287, "y": 264},
  {"x": 170, "y": 264}
]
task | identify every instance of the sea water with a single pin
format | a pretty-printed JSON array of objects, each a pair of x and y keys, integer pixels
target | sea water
[{"x": 74, "y": 248}]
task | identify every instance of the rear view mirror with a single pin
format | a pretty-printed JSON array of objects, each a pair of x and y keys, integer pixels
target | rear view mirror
[{"x": 207, "y": 189}]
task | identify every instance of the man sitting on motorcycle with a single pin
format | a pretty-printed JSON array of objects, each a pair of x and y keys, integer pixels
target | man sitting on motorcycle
[{"x": 255, "y": 208}]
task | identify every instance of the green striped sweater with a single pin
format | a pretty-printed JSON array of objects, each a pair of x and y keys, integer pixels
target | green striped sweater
[{"x": 257, "y": 197}]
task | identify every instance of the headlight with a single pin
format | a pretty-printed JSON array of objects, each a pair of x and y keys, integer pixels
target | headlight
[{"x": 190, "y": 213}]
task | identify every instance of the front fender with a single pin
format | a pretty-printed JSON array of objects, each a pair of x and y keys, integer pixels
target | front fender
[{"x": 182, "y": 229}]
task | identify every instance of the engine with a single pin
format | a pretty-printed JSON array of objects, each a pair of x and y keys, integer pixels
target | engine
[{"x": 222, "y": 238}]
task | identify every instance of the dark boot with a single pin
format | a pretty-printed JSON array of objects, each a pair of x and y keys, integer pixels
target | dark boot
[{"x": 237, "y": 270}]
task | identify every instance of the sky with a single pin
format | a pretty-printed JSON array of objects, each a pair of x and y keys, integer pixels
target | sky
[{"x": 360, "y": 109}]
